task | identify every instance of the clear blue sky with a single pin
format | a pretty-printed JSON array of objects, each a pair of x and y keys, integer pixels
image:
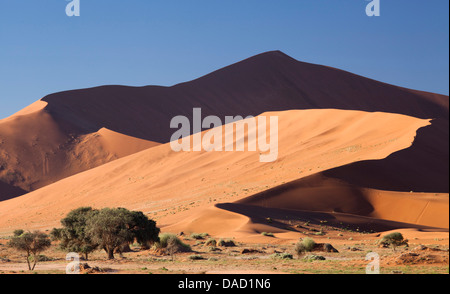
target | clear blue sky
[{"x": 165, "y": 42}]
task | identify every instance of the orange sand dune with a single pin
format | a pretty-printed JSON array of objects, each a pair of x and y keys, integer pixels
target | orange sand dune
[
  {"x": 55, "y": 137},
  {"x": 37, "y": 150},
  {"x": 321, "y": 194},
  {"x": 173, "y": 187}
]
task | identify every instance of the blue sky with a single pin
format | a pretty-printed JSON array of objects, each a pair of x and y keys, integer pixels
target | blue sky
[{"x": 165, "y": 42}]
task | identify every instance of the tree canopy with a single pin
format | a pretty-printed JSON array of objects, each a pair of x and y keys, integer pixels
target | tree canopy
[{"x": 86, "y": 229}]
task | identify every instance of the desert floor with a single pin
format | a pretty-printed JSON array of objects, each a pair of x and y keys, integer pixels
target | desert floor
[{"x": 426, "y": 254}]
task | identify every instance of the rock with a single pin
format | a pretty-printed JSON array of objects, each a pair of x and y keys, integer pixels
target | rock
[
  {"x": 330, "y": 248},
  {"x": 355, "y": 249},
  {"x": 86, "y": 269},
  {"x": 325, "y": 248}
]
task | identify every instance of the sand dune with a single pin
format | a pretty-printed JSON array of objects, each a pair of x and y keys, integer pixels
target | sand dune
[
  {"x": 175, "y": 187},
  {"x": 37, "y": 150},
  {"x": 247, "y": 222},
  {"x": 55, "y": 137},
  {"x": 321, "y": 194}
]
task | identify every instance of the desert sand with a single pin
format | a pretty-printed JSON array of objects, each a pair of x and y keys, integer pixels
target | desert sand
[
  {"x": 352, "y": 151},
  {"x": 182, "y": 189}
]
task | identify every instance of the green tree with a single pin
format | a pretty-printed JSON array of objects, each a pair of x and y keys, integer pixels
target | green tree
[
  {"x": 109, "y": 229},
  {"x": 31, "y": 243},
  {"x": 112, "y": 228},
  {"x": 73, "y": 236},
  {"x": 144, "y": 230}
]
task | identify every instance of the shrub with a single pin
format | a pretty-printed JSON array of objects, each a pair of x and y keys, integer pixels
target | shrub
[
  {"x": 314, "y": 258},
  {"x": 211, "y": 242},
  {"x": 199, "y": 236},
  {"x": 226, "y": 243},
  {"x": 17, "y": 233},
  {"x": 304, "y": 245},
  {"x": 196, "y": 257},
  {"x": 281, "y": 256},
  {"x": 394, "y": 240},
  {"x": 172, "y": 243},
  {"x": 267, "y": 234},
  {"x": 213, "y": 249}
]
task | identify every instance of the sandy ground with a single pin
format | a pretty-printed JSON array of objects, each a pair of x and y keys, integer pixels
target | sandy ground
[{"x": 351, "y": 259}]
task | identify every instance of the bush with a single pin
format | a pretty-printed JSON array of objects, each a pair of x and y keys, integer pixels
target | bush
[
  {"x": 211, "y": 242},
  {"x": 304, "y": 245},
  {"x": 196, "y": 257},
  {"x": 17, "y": 233},
  {"x": 267, "y": 234},
  {"x": 213, "y": 249},
  {"x": 314, "y": 258},
  {"x": 281, "y": 256},
  {"x": 226, "y": 243},
  {"x": 199, "y": 236},
  {"x": 172, "y": 243},
  {"x": 394, "y": 240}
]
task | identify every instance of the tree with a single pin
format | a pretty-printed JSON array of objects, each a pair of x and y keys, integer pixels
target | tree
[
  {"x": 73, "y": 236},
  {"x": 144, "y": 230},
  {"x": 32, "y": 243},
  {"x": 85, "y": 230},
  {"x": 109, "y": 228}
]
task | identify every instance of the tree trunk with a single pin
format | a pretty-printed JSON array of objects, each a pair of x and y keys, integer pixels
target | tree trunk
[
  {"x": 28, "y": 261},
  {"x": 34, "y": 264},
  {"x": 110, "y": 253}
]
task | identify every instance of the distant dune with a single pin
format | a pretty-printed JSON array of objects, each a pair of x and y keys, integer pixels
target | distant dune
[{"x": 351, "y": 150}]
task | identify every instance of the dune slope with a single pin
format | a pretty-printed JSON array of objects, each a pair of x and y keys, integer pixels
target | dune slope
[
  {"x": 176, "y": 188},
  {"x": 37, "y": 150}
]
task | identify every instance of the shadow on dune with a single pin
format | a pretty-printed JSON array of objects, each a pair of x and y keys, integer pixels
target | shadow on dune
[
  {"x": 421, "y": 168},
  {"x": 259, "y": 215},
  {"x": 8, "y": 191}
]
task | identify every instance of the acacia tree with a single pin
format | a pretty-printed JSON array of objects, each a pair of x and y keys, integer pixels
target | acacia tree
[
  {"x": 144, "y": 230},
  {"x": 73, "y": 236},
  {"x": 85, "y": 230},
  {"x": 109, "y": 228},
  {"x": 31, "y": 243}
]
